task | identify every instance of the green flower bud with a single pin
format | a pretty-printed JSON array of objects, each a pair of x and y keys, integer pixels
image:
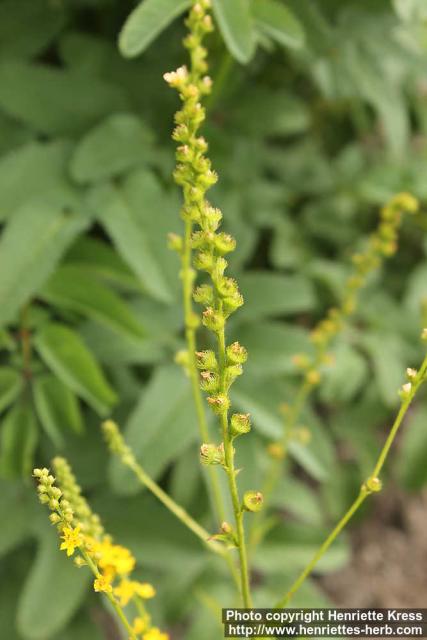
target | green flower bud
[
  {"x": 204, "y": 294},
  {"x": 405, "y": 391},
  {"x": 372, "y": 485},
  {"x": 253, "y": 501},
  {"x": 240, "y": 424},
  {"x": 204, "y": 261},
  {"x": 54, "y": 518},
  {"x": 224, "y": 243}
]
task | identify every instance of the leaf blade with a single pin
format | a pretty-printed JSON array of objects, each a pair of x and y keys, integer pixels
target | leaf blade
[
  {"x": 68, "y": 357},
  {"x": 235, "y": 23},
  {"x": 146, "y": 22}
]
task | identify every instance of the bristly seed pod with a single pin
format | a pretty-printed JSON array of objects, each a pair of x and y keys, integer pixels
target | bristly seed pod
[
  {"x": 240, "y": 424},
  {"x": 253, "y": 501},
  {"x": 211, "y": 454},
  {"x": 236, "y": 354}
]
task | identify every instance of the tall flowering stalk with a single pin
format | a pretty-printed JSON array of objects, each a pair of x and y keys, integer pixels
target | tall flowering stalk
[
  {"x": 382, "y": 244},
  {"x": 220, "y": 296},
  {"x": 83, "y": 537},
  {"x": 373, "y": 483},
  {"x": 193, "y": 84}
]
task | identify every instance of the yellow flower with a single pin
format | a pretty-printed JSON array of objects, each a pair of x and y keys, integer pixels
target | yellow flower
[
  {"x": 141, "y": 624},
  {"x": 72, "y": 538},
  {"x": 144, "y": 590},
  {"x": 102, "y": 584},
  {"x": 155, "y": 634},
  {"x": 125, "y": 591},
  {"x": 115, "y": 556}
]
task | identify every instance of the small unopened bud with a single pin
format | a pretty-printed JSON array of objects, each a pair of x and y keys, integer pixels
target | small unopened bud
[
  {"x": 204, "y": 294},
  {"x": 405, "y": 391},
  {"x": 226, "y": 527},
  {"x": 253, "y": 501},
  {"x": 372, "y": 485},
  {"x": 54, "y": 518},
  {"x": 411, "y": 374}
]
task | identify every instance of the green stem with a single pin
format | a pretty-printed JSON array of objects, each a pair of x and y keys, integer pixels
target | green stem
[
  {"x": 231, "y": 475},
  {"x": 117, "y": 608},
  {"x": 322, "y": 550},
  {"x": 364, "y": 491},
  {"x": 173, "y": 507}
]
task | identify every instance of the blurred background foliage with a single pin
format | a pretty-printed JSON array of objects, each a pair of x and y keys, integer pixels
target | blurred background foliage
[{"x": 319, "y": 114}]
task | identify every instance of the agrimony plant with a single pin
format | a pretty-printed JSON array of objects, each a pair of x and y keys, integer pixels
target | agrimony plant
[
  {"x": 83, "y": 538},
  {"x": 220, "y": 296}
]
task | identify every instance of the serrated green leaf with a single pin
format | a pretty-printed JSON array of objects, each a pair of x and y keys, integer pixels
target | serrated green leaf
[
  {"x": 68, "y": 357},
  {"x": 162, "y": 425},
  {"x": 57, "y": 407},
  {"x": 11, "y": 384},
  {"x": 18, "y": 438},
  {"x": 45, "y": 230},
  {"x": 235, "y": 22},
  {"x": 124, "y": 225},
  {"x": 112, "y": 147},
  {"x": 146, "y": 22},
  {"x": 77, "y": 289},
  {"x": 53, "y": 108},
  {"x": 52, "y": 591}
]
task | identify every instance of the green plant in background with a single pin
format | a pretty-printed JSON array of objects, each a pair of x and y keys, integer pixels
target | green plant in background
[{"x": 308, "y": 141}]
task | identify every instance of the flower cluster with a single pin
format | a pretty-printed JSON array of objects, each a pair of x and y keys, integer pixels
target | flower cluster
[{"x": 82, "y": 536}]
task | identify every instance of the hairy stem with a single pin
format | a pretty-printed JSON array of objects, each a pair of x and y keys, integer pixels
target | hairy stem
[
  {"x": 231, "y": 475},
  {"x": 117, "y": 608}
]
